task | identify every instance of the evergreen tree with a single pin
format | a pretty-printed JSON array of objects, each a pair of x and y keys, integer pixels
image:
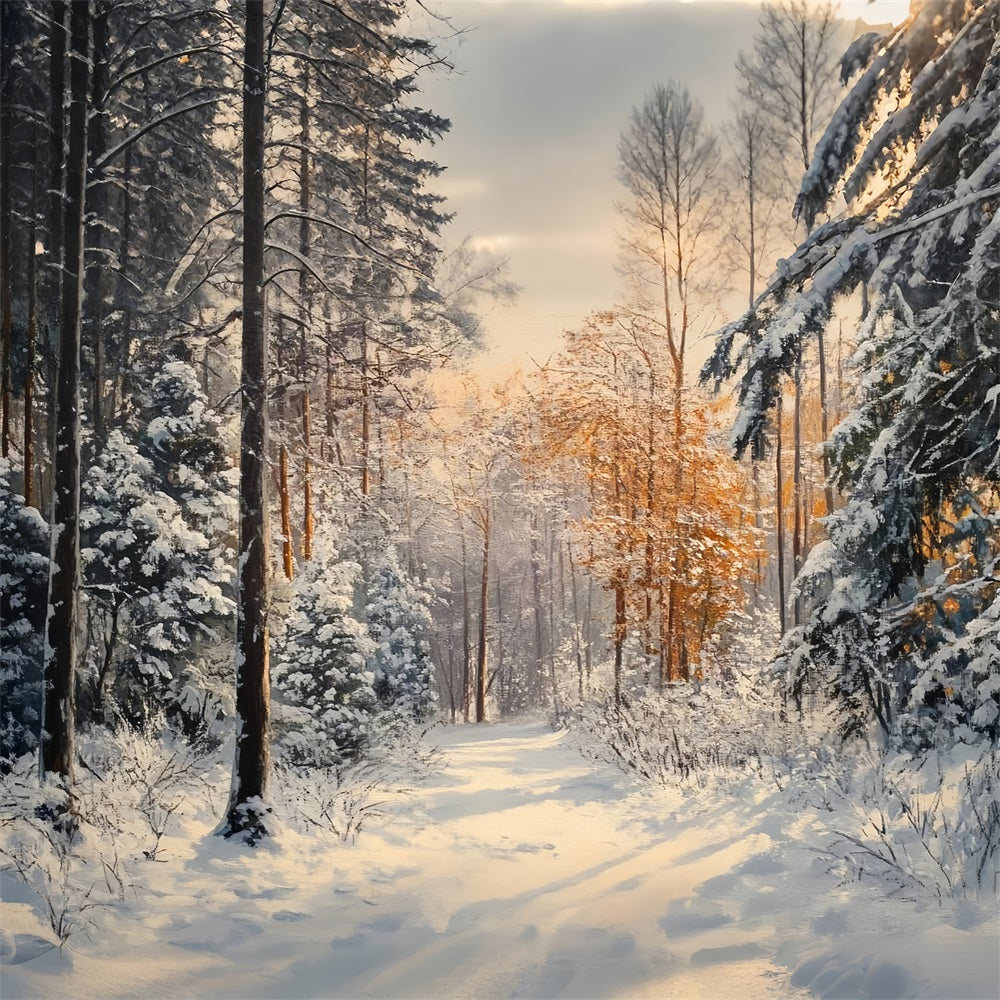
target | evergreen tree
[
  {"x": 905, "y": 628},
  {"x": 399, "y": 620},
  {"x": 158, "y": 578},
  {"x": 24, "y": 579},
  {"x": 182, "y": 439},
  {"x": 321, "y": 666}
]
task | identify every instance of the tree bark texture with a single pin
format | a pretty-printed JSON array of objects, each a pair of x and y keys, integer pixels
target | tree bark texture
[
  {"x": 484, "y": 597},
  {"x": 59, "y": 702},
  {"x": 9, "y": 15},
  {"x": 252, "y": 765}
]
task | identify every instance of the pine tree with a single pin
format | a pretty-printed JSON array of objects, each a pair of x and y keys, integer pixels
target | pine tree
[
  {"x": 321, "y": 666},
  {"x": 399, "y": 620},
  {"x": 24, "y": 578},
  {"x": 904, "y": 631},
  {"x": 158, "y": 587},
  {"x": 182, "y": 439}
]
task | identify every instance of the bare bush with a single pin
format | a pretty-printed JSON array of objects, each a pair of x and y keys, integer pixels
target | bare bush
[
  {"x": 341, "y": 798},
  {"x": 338, "y": 798},
  {"x": 48, "y": 857},
  {"x": 688, "y": 732},
  {"x": 922, "y": 830},
  {"x": 144, "y": 772}
]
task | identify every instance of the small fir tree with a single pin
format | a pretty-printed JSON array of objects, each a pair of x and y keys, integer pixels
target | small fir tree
[
  {"x": 320, "y": 667},
  {"x": 157, "y": 585},
  {"x": 24, "y": 577},
  {"x": 399, "y": 619}
]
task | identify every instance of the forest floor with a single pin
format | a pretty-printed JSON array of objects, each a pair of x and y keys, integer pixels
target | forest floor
[{"x": 514, "y": 868}]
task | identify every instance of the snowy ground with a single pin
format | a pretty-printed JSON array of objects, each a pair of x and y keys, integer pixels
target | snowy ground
[{"x": 516, "y": 869}]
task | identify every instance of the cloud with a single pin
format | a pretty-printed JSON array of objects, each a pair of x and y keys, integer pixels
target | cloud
[
  {"x": 461, "y": 186},
  {"x": 567, "y": 242}
]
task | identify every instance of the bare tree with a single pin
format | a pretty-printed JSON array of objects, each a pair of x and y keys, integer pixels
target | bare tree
[
  {"x": 791, "y": 79},
  {"x": 792, "y": 75},
  {"x": 758, "y": 230},
  {"x": 667, "y": 163}
]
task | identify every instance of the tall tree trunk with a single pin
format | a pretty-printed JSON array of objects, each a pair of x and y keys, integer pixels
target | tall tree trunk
[
  {"x": 536, "y": 597},
  {"x": 97, "y": 210},
  {"x": 10, "y": 15},
  {"x": 588, "y": 652},
  {"x": 484, "y": 597},
  {"x": 308, "y": 519},
  {"x": 29, "y": 374},
  {"x": 466, "y": 631},
  {"x": 758, "y": 520},
  {"x": 246, "y": 810},
  {"x": 59, "y": 695},
  {"x": 366, "y": 425},
  {"x": 305, "y": 189},
  {"x": 577, "y": 624},
  {"x": 498, "y": 670},
  {"x": 779, "y": 515},
  {"x": 121, "y": 387},
  {"x": 620, "y": 629},
  {"x": 650, "y": 551},
  {"x": 54, "y": 214},
  {"x": 797, "y": 512},
  {"x": 328, "y": 387},
  {"x": 824, "y": 418},
  {"x": 287, "y": 557}
]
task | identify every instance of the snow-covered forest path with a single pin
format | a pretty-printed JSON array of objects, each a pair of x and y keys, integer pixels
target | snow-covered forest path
[
  {"x": 514, "y": 868},
  {"x": 543, "y": 875}
]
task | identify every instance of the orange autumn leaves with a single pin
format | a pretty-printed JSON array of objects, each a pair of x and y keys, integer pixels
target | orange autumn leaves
[{"x": 664, "y": 522}]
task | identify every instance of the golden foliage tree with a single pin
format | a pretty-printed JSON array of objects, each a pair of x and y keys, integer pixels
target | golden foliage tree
[{"x": 665, "y": 525}]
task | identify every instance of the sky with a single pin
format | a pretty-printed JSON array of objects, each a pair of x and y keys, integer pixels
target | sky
[{"x": 540, "y": 92}]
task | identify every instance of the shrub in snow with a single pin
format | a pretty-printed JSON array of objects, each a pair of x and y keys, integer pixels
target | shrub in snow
[
  {"x": 686, "y": 732},
  {"x": 731, "y": 720},
  {"x": 24, "y": 577},
  {"x": 145, "y": 778},
  {"x": 399, "y": 620},
  {"x": 320, "y": 666},
  {"x": 339, "y": 798},
  {"x": 130, "y": 791},
  {"x": 929, "y": 823},
  {"x": 70, "y": 876}
]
